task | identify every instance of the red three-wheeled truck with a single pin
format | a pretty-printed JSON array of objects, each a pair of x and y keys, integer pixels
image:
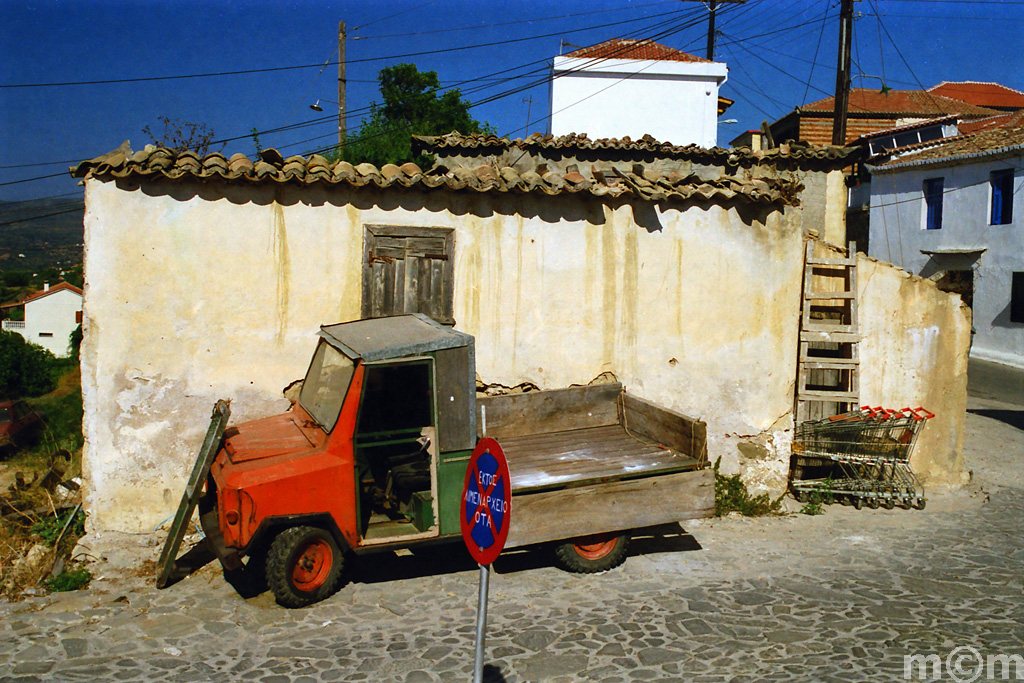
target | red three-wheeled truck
[{"x": 372, "y": 457}]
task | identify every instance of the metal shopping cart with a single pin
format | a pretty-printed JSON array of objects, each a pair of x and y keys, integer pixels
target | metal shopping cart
[{"x": 860, "y": 457}]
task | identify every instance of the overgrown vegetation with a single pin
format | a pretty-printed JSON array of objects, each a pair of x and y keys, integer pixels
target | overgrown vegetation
[
  {"x": 183, "y": 135},
  {"x": 731, "y": 495}
]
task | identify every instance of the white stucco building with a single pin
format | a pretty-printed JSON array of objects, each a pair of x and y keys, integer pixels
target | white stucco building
[
  {"x": 50, "y": 317},
  {"x": 953, "y": 210},
  {"x": 634, "y": 88}
]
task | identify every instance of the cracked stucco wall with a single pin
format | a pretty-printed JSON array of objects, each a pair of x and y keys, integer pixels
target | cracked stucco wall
[{"x": 195, "y": 293}]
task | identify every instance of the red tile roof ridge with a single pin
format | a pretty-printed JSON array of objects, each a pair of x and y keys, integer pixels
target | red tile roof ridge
[
  {"x": 903, "y": 102},
  {"x": 60, "y": 286},
  {"x": 634, "y": 48},
  {"x": 998, "y": 85}
]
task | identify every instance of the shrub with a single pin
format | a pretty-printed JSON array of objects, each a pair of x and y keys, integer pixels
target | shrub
[{"x": 25, "y": 369}]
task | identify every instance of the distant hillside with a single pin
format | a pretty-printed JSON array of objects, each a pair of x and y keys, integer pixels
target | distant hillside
[{"x": 41, "y": 233}]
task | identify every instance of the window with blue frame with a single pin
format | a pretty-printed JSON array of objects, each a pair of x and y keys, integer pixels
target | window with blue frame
[
  {"x": 933, "y": 203},
  {"x": 1002, "y": 196}
]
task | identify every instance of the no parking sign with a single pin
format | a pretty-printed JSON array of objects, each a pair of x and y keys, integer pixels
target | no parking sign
[{"x": 486, "y": 502}]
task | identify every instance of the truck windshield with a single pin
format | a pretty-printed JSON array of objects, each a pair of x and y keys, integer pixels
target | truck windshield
[{"x": 326, "y": 384}]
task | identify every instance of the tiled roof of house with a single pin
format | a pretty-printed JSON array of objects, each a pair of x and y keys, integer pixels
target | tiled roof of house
[
  {"x": 885, "y": 132},
  {"x": 623, "y": 48},
  {"x": 1011, "y": 119},
  {"x": 641, "y": 148},
  {"x": 154, "y": 163},
  {"x": 991, "y": 142},
  {"x": 982, "y": 94},
  {"x": 60, "y": 286},
  {"x": 895, "y": 103}
]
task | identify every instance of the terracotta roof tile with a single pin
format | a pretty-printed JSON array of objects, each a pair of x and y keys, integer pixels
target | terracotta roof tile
[
  {"x": 982, "y": 94},
  {"x": 60, "y": 286},
  {"x": 991, "y": 142},
  {"x": 159, "y": 162},
  {"x": 899, "y": 103},
  {"x": 622, "y": 48},
  {"x": 641, "y": 148}
]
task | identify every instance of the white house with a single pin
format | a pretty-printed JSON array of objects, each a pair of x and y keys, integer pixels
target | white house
[
  {"x": 50, "y": 317},
  {"x": 953, "y": 210},
  {"x": 634, "y": 88}
]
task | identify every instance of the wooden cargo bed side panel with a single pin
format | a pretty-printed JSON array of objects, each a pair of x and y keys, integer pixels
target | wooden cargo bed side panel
[
  {"x": 682, "y": 434},
  {"x": 542, "y": 412},
  {"x": 614, "y": 506}
]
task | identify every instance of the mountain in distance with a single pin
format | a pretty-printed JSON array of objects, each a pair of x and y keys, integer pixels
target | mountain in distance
[{"x": 41, "y": 233}]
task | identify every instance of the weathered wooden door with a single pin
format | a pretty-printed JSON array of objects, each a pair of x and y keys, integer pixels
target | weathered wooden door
[{"x": 408, "y": 270}]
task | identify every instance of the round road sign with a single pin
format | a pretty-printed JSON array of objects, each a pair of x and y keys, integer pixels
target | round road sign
[{"x": 486, "y": 502}]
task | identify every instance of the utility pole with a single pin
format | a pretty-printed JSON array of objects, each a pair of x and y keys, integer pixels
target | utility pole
[
  {"x": 842, "y": 96},
  {"x": 711, "y": 31},
  {"x": 341, "y": 83}
]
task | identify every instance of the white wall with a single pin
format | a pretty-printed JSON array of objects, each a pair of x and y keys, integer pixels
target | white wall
[
  {"x": 898, "y": 235},
  {"x": 50, "y": 320},
  {"x": 696, "y": 309},
  {"x": 672, "y": 101}
]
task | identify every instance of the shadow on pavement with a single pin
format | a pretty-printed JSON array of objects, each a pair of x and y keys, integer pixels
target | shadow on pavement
[
  {"x": 1014, "y": 418},
  {"x": 450, "y": 558}
]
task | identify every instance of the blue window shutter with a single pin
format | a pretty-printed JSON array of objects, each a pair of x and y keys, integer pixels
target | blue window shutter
[
  {"x": 997, "y": 200},
  {"x": 933, "y": 203}
]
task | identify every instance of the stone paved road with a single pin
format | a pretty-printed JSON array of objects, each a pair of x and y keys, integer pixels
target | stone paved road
[{"x": 840, "y": 597}]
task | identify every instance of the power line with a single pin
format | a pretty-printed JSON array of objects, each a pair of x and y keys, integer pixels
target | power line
[{"x": 310, "y": 66}]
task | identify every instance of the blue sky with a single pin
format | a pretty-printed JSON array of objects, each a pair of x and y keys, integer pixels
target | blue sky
[{"x": 781, "y": 53}]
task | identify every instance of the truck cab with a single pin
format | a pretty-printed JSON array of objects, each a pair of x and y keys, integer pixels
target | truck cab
[{"x": 372, "y": 456}]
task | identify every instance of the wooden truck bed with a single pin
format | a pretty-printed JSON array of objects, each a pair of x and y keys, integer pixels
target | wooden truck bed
[
  {"x": 553, "y": 460},
  {"x": 594, "y": 459}
]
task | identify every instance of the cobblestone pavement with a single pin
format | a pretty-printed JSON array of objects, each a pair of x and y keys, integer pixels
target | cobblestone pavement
[{"x": 844, "y": 596}]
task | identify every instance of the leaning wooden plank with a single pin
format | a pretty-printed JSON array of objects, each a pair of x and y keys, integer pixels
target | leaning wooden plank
[
  {"x": 677, "y": 431},
  {"x": 615, "y": 506},
  {"x": 549, "y": 411},
  {"x": 218, "y": 421}
]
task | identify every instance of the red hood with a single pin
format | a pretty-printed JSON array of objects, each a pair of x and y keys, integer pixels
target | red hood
[{"x": 277, "y": 435}]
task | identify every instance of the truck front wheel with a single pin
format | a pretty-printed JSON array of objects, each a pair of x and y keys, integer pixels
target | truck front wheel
[
  {"x": 591, "y": 554},
  {"x": 303, "y": 566}
]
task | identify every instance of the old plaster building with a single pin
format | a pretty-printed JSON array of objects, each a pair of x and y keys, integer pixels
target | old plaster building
[{"x": 683, "y": 281}]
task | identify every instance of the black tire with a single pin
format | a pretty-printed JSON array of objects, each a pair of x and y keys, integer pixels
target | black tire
[
  {"x": 800, "y": 495},
  {"x": 304, "y": 566},
  {"x": 591, "y": 554},
  {"x": 888, "y": 503},
  {"x": 920, "y": 503},
  {"x": 858, "y": 502}
]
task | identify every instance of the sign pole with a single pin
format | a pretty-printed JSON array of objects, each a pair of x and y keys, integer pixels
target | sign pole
[
  {"x": 486, "y": 500},
  {"x": 481, "y": 625}
]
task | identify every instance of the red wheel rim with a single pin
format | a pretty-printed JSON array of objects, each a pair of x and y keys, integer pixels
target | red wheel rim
[
  {"x": 312, "y": 565},
  {"x": 595, "y": 547}
]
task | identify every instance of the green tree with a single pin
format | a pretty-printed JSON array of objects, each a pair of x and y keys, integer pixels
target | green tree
[
  {"x": 25, "y": 369},
  {"x": 413, "y": 104}
]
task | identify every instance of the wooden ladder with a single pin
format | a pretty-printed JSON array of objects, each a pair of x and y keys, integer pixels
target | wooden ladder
[{"x": 828, "y": 366}]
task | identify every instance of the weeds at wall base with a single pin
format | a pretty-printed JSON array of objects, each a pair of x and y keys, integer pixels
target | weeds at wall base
[{"x": 731, "y": 495}]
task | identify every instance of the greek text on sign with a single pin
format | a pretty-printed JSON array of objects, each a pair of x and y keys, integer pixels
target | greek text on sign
[{"x": 486, "y": 502}]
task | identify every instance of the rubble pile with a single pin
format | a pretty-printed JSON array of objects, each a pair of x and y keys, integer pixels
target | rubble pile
[{"x": 41, "y": 518}]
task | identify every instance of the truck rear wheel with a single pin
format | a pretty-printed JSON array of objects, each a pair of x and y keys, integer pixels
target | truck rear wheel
[
  {"x": 590, "y": 554},
  {"x": 303, "y": 566}
]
